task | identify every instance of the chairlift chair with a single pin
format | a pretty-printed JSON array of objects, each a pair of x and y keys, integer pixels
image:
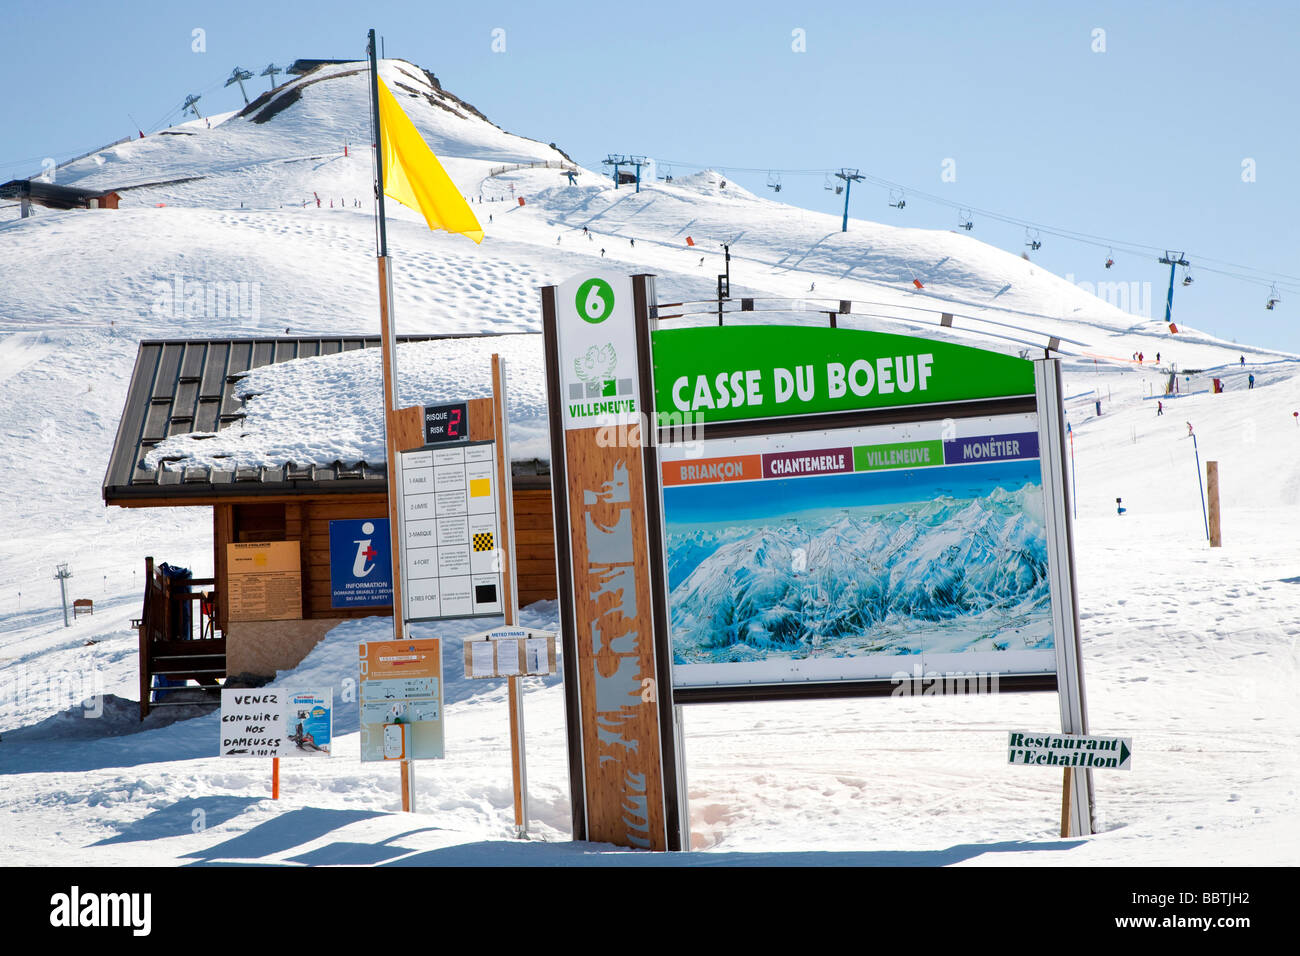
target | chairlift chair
[
  {"x": 774, "y": 182},
  {"x": 1273, "y": 298},
  {"x": 896, "y": 199},
  {"x": 1033, "y": 242},
  {"x": 1110, "y": 258},
  {"x": 964, "y": 220}
]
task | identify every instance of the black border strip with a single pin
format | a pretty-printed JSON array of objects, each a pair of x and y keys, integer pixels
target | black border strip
[
  {"x": 853, "y": 418},
  {"x": 564, "y": 566},
  {"x": 642, "y": 296},
  {"x": 884, "y": 687}
]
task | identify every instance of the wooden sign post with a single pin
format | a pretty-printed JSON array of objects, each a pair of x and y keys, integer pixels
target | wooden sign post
[
  {"x": 1212, "y": 492},
  {"x": 622, "y": 768},
  {"x": 510, "y": 597}
]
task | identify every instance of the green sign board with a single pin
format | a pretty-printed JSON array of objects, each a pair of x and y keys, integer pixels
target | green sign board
[{"x": 733, "y": 373}]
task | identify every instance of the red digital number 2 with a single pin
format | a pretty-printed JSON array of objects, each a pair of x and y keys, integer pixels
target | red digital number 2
[{"x": 453, "y": 427}]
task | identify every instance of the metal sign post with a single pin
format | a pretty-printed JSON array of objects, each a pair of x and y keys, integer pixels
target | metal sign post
[{"x": 1076, "y": 795}]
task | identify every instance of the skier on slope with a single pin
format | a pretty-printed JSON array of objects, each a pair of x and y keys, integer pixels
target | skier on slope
[{"x": 1160, "y": 408}]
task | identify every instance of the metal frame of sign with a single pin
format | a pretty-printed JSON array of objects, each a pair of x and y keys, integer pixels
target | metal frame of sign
[{"x": 1045, "y": 402}]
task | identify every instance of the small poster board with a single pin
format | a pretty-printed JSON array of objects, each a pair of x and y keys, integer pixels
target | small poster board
[
  {"x": 401, "y": 700},
  {"x": 264, "y": 580},
  {"x": 276, "y": 722},
  {"x": 510, "y": 652}
]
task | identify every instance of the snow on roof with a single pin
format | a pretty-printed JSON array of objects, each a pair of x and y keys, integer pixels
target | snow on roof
[{"x": 330, "y": 408}]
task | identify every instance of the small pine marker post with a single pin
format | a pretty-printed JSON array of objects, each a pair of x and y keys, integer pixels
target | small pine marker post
[
  {"x": 1212, "y": 493},
  {"x": 275, "y": 778}
]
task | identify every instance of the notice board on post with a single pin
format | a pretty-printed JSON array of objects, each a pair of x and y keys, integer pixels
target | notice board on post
[
  {"x": 264, "y": 580},
  {"x": 401, "y": 700},
  {"x": 450, "y": 531}
]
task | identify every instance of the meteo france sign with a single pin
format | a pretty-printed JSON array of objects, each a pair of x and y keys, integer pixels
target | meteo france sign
[
  {"x": 1069, "y": 750},
  {"x": 731, "y": 373}
]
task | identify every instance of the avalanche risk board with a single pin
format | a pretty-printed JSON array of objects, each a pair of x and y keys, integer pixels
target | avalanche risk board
[{"x": 450, "y": 536}]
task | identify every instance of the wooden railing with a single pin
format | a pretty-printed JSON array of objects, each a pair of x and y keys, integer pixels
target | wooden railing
[{"x": 178, "y": 636}]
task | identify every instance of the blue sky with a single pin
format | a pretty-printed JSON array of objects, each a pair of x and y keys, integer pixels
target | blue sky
[{"x": 1140, "y": 144}]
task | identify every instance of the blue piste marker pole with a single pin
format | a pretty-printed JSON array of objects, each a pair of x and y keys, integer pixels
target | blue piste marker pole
[{"x": 1201, "y": 484}]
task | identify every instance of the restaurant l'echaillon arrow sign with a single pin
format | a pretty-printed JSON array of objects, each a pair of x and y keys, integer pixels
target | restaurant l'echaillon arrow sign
[
  {"x": 732, "y": 373},
  {"x": 1069, "y": 750}
]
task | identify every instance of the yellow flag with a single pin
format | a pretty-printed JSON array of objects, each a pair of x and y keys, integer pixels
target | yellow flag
[{"x": 414, "y": 177}]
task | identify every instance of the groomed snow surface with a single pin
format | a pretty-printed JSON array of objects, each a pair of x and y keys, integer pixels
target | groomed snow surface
[{"x": 1190, "y": 651}]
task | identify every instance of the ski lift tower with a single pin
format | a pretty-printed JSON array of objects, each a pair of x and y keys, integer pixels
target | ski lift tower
[
  {"x": 190, "y": 106},
  {"x": 61, "y": 575},
  {"x": 617, "y": 161},
  {"x": 238, "y": 75},
  {"x": 271, "y": 70},
  {"x": 850, "y": 176},
  {"x": 724, "y": 279},
  {"x": 1172, "y": 260},
  {"x": 638, "y": 162}
]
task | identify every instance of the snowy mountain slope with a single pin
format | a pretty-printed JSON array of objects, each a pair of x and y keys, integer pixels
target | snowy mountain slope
[
  {"x": 940, "y": 562},
  {"x": 1191, "y": 651}
]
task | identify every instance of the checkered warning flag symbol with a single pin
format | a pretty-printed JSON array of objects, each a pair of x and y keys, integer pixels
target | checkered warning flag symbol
[{"x": 483, "y": 541}]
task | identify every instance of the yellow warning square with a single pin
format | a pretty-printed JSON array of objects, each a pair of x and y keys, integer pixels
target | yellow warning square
[
  {"x": 483, "y": 541},
  {"x": 480, "y": 487}
]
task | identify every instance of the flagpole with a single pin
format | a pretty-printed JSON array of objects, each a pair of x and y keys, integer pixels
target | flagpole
[{"x": 389, "y": 350}]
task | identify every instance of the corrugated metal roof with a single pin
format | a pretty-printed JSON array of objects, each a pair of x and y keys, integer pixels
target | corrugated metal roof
[
  {"x": 180, "y": 386},
  {"x": 51, "y": 194}
]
